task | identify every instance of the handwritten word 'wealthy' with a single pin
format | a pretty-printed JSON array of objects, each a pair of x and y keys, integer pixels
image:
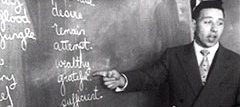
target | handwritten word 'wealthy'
[
  {"x": 77, "y": 62},
  {"x": 7, "y": 96}
]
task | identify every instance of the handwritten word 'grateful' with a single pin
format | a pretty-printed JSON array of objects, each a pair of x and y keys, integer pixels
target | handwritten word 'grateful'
[
  {"x": 76, "y": 98},
  {"x": 23, "y": 36},
  {"x": 5, "y": 17},
  {"x": 7, "y": 96},
  {"x": 88, "y": 2},
  {"x": 73, "y": 77},
  {"x": 56, "y": 12},
  {"x": 18, "y": 5},
  {"x": 65, "y": 45},
  {"x": 60, "y": 31}
]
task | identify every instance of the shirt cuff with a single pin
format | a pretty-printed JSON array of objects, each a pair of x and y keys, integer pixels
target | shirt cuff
[{"x": 121, "y": 89}]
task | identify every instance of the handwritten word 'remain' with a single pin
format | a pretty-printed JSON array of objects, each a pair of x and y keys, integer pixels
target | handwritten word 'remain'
[{"x": 60, "y": 31}]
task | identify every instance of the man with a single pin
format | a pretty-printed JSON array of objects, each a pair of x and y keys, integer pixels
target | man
[{"x": 200, "y": 74}]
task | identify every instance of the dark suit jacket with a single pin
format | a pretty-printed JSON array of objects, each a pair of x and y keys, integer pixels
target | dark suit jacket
[{"x": 178, "y": 66}]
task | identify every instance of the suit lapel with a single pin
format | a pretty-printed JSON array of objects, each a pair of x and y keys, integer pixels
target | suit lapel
[
  {"x": 218, "y": 69},
  {"x": 189, "y": 63},
  {"x": 217, "y": 73}
]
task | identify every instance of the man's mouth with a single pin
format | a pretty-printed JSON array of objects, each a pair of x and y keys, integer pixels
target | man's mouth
[{"x": 212, "y": 38}]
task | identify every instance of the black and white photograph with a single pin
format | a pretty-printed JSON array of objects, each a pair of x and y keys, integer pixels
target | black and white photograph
[{"x": 119, "y": 53}]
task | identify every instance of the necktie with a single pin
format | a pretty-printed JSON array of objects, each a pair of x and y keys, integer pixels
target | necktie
[{"x": 204, "y": 66}]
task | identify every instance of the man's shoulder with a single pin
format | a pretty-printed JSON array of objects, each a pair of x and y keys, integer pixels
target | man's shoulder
[
  {"x": 180, "y": 48},
  {"x": 233, "y": 55}
]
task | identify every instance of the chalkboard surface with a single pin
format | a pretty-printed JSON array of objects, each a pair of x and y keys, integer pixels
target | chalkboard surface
[{"x": 50, "y": 47}]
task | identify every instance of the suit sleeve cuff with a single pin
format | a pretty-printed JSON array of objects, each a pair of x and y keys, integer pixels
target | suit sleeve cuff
[{"x": 121, "y": 89}]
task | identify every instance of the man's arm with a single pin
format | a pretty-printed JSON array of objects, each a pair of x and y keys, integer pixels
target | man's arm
[{"x": 138, "y": 80}]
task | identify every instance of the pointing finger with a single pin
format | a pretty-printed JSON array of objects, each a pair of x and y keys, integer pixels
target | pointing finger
[
  {"x": 109, "y": 83},
  {"x": 109, "y": 79},
  {"x": 100, "y": 73}
]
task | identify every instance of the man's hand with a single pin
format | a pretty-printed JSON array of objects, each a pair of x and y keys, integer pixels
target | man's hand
[{"x": 112, "y": 79}]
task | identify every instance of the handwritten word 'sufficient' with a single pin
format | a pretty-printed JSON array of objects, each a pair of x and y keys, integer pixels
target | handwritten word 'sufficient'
[{"x": 77, "y": 98}]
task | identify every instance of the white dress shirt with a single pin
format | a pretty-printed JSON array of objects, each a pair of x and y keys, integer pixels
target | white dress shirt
[{"x": 210, "y": 56}]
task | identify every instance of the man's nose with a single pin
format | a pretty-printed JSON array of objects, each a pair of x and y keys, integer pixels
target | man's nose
[{"x": 214, "y": 28}]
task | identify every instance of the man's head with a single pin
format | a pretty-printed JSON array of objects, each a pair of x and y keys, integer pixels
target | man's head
[{"x": 208, "y": 21}]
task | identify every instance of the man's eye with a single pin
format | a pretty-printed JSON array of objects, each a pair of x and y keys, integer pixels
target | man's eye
[
  {"x": 207, "y": 22},
  {"x": 220, "y": 23}
]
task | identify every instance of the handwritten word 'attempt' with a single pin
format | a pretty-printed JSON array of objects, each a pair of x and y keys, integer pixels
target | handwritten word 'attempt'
[{"x": 5, "y": 95}]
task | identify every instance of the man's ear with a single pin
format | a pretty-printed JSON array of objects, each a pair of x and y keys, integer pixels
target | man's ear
[{"x": 193, "y": 25}]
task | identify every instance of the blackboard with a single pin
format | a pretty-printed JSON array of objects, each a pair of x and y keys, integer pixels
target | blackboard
[{"x": 50, "y": 47}]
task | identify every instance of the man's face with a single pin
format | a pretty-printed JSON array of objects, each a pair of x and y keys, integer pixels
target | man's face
[{"x": 209, "y": 27}]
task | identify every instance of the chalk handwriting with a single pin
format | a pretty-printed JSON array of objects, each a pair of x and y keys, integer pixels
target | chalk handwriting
[
  {"x": 65, "y": 45},
  {"x": 1, "y": 62},
  {"x": 16, "y": 3},
  {"x": 7, "y": 96},
  {"x": 5, "y": 17},
  {"x": 60, "y": 31},
  {"x": 88, "y": 2},
  {"x": 76, "y": 98},
  {"x": 77, "y": 62},
  {"x": 56, "y": 12},
  {"x": 23, "y": 36},
  {"x": 73, "y": 77}
]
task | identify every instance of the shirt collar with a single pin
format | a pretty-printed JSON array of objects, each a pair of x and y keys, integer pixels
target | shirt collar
[{"x": 212, "y": 49}]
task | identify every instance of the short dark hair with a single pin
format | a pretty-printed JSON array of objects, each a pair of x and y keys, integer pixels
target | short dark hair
[{"x": 207, "y": 4}]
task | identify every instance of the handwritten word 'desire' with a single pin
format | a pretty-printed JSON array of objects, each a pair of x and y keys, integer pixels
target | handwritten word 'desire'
[
  {"x": 56, "y": 12},
  {"x": 23, "y": 36},
  {"x": 76, "y": 98},
  {"x": 73, "y": 77},
  {"x": 6, "y": 96}
]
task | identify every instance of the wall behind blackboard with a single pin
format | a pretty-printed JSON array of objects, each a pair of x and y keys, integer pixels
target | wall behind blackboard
[{"x": 107, "y": 34}]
